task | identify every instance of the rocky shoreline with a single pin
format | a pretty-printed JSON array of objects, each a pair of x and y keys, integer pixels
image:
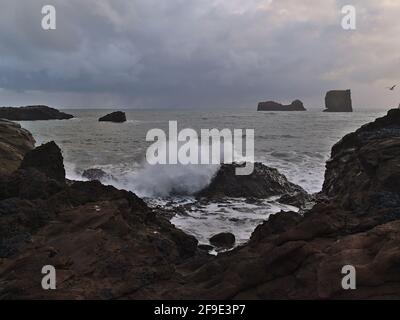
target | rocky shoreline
[{"x": 108, "y": 244}]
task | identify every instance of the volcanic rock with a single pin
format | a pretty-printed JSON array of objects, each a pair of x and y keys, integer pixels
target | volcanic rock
[
  {"x": 296, "y": 105},
  {"x": 223, "y": 240},
  {"x": 264, "y": 182},
  {"x": 356, "y": 222},
  {"x": 97, "y": 174},
  {"x": 15, "y": 142},
  {"x": 104, "y": 243},
  {"x": 31, "y": 113},
  {"x": 338, "y": 101},
  {"x": 117, "y": 116},
  {"x": 47, "y": 159}
]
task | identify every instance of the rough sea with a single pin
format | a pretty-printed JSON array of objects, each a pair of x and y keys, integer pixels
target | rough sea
[{"x": 296, "y": 143}]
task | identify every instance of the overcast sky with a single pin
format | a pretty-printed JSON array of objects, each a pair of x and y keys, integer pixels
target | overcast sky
[{"x": 197, "y": 53}]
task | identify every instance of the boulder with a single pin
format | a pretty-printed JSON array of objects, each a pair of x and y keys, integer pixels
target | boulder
[
  {"x": 338, "y": 101},
  {"x": 264, "y": 182},
  {"x": 15, "y": 142},
  {"x": 47, "y": 159},
  {"x": 117, "y": 116},
  {"x": 97, "y": 174},
  {"x": 296, "y": 105},
  {"x": 32, "y": 113},
  {"x": 223, "y": 240}
]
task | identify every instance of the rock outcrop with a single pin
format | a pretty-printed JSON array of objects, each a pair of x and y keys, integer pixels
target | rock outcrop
[
  {"x": 264, "y": 182},
  {"x": 15, "y": 142},
  {"x": 103, "y": 242},
  {"x": 338, "y": 101},
  {"x": 47, "y": 159},
  {"x": 117, "y": 117},
  {"x": 32, "y": 113},
  {"x": 296, "y": 105},
  {"x": 356, "y": 222}
]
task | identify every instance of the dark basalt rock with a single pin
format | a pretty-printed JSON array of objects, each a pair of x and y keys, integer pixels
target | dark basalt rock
[
  {"x": 205, "y": 247},
  {"x": 97, "y": 174},
  {"x": 47, "y": 159},
  {"x": 296, "y": 105},
  {"x": 104, "y": 243},
  {"x": 32, "y": 113},
  {"x": 338, "y": 101},
  {"x": 223, "y": 240},
  {"x": 117, "y": 117},
  {"x": 264, "y": 182},
  {"x": 366, "y": 162}
]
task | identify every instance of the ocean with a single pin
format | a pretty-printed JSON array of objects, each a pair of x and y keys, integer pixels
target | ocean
[{"x": 296, "y": 143}]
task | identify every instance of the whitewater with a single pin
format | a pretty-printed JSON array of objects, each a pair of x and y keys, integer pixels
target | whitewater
[{"x": 296, "y": 143}]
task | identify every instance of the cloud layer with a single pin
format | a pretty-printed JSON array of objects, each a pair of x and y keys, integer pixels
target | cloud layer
[{"x": 197, "y": 53}]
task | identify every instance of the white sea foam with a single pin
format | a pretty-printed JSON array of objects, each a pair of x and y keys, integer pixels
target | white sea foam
[{"x": 177, "y": 179}]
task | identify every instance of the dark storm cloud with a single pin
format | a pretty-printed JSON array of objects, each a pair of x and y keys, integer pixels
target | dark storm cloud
[{"x": 193, "y": 53}]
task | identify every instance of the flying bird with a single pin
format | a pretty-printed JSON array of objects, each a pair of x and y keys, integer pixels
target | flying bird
[{"x": 392, "y": 88}]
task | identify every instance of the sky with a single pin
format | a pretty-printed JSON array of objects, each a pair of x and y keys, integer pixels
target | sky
[{"x": 197, "y": 54}]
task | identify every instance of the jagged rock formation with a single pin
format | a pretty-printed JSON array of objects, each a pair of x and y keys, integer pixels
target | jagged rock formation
[
  {"x": 264, "y": 182},
  {"x": 103, "y": 242},
  {"x": 338, "y": 101},
  {"x": 15, "y": 142},
  {"x": 32, "y": 113},
  {"x": 117, "y": 117},
  {"x": 296, "y": 105}
]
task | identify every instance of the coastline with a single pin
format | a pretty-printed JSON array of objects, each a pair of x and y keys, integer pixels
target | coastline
[{"x": 108, "y": 244}]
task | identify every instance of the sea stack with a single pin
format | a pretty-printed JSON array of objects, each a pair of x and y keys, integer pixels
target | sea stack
[
  {"x": 117, "y": 117},
  {"x": 338, "y": 101},
  {"x": 296, "y": 105}
]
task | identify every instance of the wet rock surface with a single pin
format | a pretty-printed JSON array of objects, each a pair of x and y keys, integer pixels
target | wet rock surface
[
  {"x": 97, "y": 174},
  {"x": 264, "y": 182}
]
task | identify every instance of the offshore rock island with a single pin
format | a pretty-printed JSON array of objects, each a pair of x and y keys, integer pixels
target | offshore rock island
[
  {"x": 296, "y": 105},
  {"x": 32, "y": 113}
]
